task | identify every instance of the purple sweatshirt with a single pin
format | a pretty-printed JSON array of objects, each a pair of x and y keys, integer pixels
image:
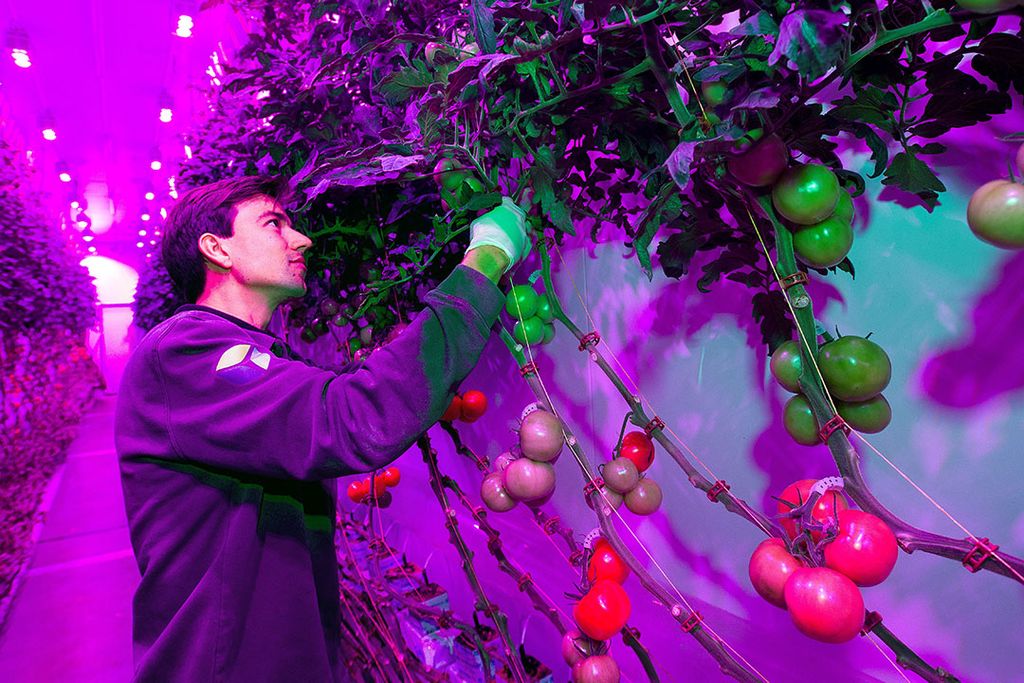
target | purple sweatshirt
[{"x": 229, "y": 446}]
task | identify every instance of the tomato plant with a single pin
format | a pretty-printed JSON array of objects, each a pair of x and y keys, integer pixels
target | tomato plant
[
  {"x": 770, "y": 567},
  {"x": 603, "y": 611},
  {"x": 854, "y": 368},
  {"x": 806, "y": 194},
  {"x": 996, "y": 214},
  {"x": 824, "y": 604},
  {"x": 828, "y": 506},
  {"x": 865, "y": 549}
]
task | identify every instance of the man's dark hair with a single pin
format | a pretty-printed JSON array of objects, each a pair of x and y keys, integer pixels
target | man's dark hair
[{"x": 209, "y": 208}]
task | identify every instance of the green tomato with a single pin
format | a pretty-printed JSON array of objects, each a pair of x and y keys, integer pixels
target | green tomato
[
  {"x": 996, "y": 214},
  {"x": 448, "y": 175},
  {"x": 806, "y": 194},
  {"x": 870, "y": 416},
  {"x": 529, "y": 332},
  {"x": 854, "y": 368},
  {"x": 823, "y": 244},
  {"x": 522, "y": 302},
  {"x": 544, "y": 310},
  {"x": 549, "y": 333},
  {"x": 786, "y": 366},
  {"x": 986, "y": 6},
  {"x": 798, "y": 419},
  {"x": 714, "y": 92}
]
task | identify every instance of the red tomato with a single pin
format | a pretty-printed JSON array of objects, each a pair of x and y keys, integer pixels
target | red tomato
[
  {"x": 358, "y": 490},
  {"x": 454, "y": 411},
  {"x": 391, "y": 476},
  {"x": 379, "y": 486},
  {"x": 605, "y": 563},
  {"x": 761, "y": 164},
  {"x": 639, "y": 448},
  {"x": 771, "y": 565},
  {"x": 824, "y": 604},
  {"x": 474, "y": 405},
  {"x": 603, "y": 611},
  {"x": 865, "y": 549},
  {"x": 796, "y": 493}
]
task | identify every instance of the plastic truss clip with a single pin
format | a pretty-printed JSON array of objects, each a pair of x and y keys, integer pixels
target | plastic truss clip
[
  {"x": 871, "y": 620},
  {"x": 655, "y": 423},
  {"x": 550, "y": 526},
  {"x": 978, "y": 554},
  {"x": 831, "y": 426},
  {"x": 529, "y": 369},
  {"x": 524, "y": 581},
  {"x": 797, "y": 278},
  {"x": 592, "y": 486},
  {"x": 691, "y": 622},
  {"x": 589, "y": 339},
  {"x": 717, "y": 489}
]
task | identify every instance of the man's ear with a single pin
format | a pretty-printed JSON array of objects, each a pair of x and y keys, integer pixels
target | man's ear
[{"x": 212, "y": 249}]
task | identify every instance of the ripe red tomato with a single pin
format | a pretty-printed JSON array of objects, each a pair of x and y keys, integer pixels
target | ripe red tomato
[
  {"x": 645, "y": 498},
  {"x": 391, "y": 476},
  {"x": 379, "y": 486},
  {"x": 358, "y": 490},
  {"x": 870, "y": 416},
  {"x": 865, "y": 549},
  {"x": 806, "y": 194},
  {"x": 824, "y": 604},
  {"x": 799, "y": 421},
  {"x": 639, "y": 448},
  {"x": 996, "y": 214},
  {"x": 454, "y": 410},
  {"x": 829, "y": 505},
  {"x": 474, "y": 405},
  {"x": 603, "y": 611},
  {"x": 605, "y": 563},
  {"x": 854, "y": 368},
  {"x": 770, "y": 567},
  {"x": 761, "y": 164},
  {"x": 785, "y": 366},
  {"x": 596, "y": 669}
]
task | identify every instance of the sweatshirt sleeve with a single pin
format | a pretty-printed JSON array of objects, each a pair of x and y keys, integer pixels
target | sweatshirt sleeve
[{"x": 235, "y": 405}]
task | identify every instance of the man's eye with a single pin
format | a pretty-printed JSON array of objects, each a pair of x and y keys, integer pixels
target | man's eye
[{"x": 276, "y": 223}]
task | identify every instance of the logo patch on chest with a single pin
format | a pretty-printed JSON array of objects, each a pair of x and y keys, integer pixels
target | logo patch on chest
[{"x": 242, "y": 363}]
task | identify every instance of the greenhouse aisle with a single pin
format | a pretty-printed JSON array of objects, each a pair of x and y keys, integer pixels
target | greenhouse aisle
[{"x": 71, "y": 619}]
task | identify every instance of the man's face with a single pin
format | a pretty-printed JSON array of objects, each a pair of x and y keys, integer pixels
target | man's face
[{"x": 266, "y": 253}]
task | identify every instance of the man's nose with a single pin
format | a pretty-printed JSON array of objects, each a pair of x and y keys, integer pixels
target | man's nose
[{"x": 300, "y": 242}]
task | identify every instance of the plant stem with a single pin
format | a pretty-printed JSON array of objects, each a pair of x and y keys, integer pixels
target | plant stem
[{"x": 933, "y": 20}]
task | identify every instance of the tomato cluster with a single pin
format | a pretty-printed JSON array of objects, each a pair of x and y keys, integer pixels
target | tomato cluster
[
  {"x": 467, "y": 407},
  {"x": 533, "y": 314},
  {"x": 623, "y": 482},
  {"x": 359, "y": 491},
  {"x": 530, "y": 478},
  {"x": 824, "y": 601}
]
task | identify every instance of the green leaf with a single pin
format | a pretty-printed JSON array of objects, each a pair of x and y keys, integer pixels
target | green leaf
[
  {"x": 483, "y": 26},
  {"x": 871, "y": 105},
  {"x": 879, "y": 148},
  {"x": 679, "y": 162},
  {"x": 909, "y": 173},
  {"x": 761, "y": 24},
  {"x": 811, "y": 41}
]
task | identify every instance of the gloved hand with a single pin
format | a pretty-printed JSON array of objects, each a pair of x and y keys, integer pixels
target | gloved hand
[{"x": 503, "y": 227}]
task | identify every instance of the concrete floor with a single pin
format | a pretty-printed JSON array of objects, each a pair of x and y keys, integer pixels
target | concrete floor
[{"x": 71, "y": 618}]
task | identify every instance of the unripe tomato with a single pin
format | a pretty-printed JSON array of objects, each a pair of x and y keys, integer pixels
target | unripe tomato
[
  {"x": 603, "y": 611},
  {"x": 714, "y": 92},
  {"x": 828, "y": 506},
  {"x": 391, "y": 476},
  {"x": 358, "y": 490},
  {"x": 329, "y": 307},
  {"x": 854, "y": 368},
  {"x": 761, "y": 164},
  {"x": 827, "y": 243},
  {"x": 575, "y": 646},
  {"x": 644, "y": 499},
  {"x": 503, "y": 461},
  {"x": 870, "y": 416},
  {"x": 549, "y": 333},
  {"x": 845, "y": 209},
  {"x": 494, "y": 495},
  {"x": 824, "y": 604},
  {"x": 608, "y": 500},
  {"x": 639, "y": 448},
  {"x": 865, "y": 549},
  {"x": 605, "y": 563},
  {"x": 620, "y": 475},
  {"x": 786, "y": 366},
  {"x": 448, "y": 175},
  {"x": 474, "y": 405},
  {"x": 541, "y": 436},
  {"x": 384, "y": 500},
  {"x": 529, "y": 332},
  {"x": 799, "y": 421},
  {"x": 544, "y": 310},
  {"x": 996, "y": 214},
  {"x": 526, "y": 479},
  {"x": 770, "y": 567},
  {"x": 596, "y": 669},
  {"x": 986, "y": 6},
  {"x": 454, "y": 410},
  {"x": 806, "y": 194},
  {"x": 522, "y": 302}
]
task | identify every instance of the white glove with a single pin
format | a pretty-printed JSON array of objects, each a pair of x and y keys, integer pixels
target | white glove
[{"x": 503, "y": 227}]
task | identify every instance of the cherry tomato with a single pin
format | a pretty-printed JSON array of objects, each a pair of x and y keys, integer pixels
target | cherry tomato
[
  {"x": 544, "y": 310},
  {"x": 391, "y": 476},
  {"x": 605, "y": 563},
  {"x": 824, "y": 604},
  {"x": 529, "y": 332},
  {"x": 454, "y": 411},
  {"x": 522, "y": 302},
  {"x": 384, "y": 500},
  {"x": 996, "y": 214},
  {"x": 870, "y": 416},
  {"x": 786, "y": 366},
  {"x": 639, "y": 448},
  {"x": 865, "y": 549},
  {"x": 806, "y": 194},
  {"x": 596, "y": 669},
  {"x": 474, "y": 405},
  {"x": 770, "y": 567},
  {"x": 494, "y": 495},
  {"x": 854, "y": 368},
  {"x": 828, "y": 506},
  {"x": 379, "y": 486},
  {"x": 714, "y": 92},
  {"x": 526, "y": 479},
  {"x": 603, "y": 611},
  {"x": 608, "y": 500},
  {"x": 827, "y": 243},
  {"x": 576, "y": 646},
  {"x": 358, "y": 490},
  {"x": 761, "y": 164},
  {"x": 620, "y": 475},
  {"x": 798, "y": 419},
  {"x": 644, "y": 499},
  {"x": 541, "y": 436},
  {"x": 448, "y": 175},
  {"x": 549, "y": 333}
]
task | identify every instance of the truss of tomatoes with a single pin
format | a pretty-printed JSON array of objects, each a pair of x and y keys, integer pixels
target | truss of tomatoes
[
  {"x": 533, "y": 314},
  {"x": 359, "y": 491},
  {"x": 604, "y": 609},
  {"x": 529, "y": 476},
  {"x": 467, "y": 407},
  {"x": 624, "y": 481},
  {"x": 821, "y": 590}
]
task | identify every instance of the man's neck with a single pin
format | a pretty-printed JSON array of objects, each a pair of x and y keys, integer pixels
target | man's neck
[{"x": 243, "y": 304}]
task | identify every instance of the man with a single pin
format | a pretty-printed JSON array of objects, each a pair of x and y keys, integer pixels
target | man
[{"x": 229, "y": 444}]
